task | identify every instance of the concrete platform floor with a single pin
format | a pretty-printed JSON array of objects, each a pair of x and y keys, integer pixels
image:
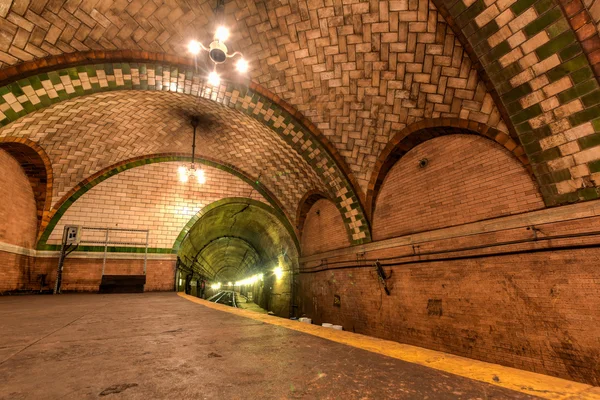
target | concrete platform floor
[{"x": 150, "y": 346}]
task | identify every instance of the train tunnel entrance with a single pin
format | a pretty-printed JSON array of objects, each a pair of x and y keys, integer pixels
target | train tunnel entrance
[{"x": 240, "y": 247}]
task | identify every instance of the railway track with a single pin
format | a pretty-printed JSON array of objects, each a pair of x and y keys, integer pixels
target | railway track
[{"x": 226, "y": 297}]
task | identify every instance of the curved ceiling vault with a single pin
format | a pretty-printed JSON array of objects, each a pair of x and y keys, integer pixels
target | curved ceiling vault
[
  {"x": 240, "y": 127},
  {"x": 236, "y": 238},
  {"x": 84, "y": 135},
  {"x": 347, "y": 68},
  {"x": 357, "y": 72}
]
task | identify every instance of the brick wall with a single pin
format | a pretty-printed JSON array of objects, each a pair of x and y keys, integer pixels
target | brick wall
[
  {"x": 85, "y": 274},
  {"x": 593, "y": 7},
  {"x": 151, "y": 197},
  {"x": 514, "y": 290},
  {"x": 323, "y": 231},
  {"x": 18, "y": 272},
  {"x": 21, "y": 272},
  {"x": 18, "y": 211},
  {"x": 538, "y": 312},
  {"x": 467, "y": 178}
]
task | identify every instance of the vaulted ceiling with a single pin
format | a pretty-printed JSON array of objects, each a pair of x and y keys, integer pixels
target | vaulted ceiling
[
  {"x": 354, "y": 78},
  {"x": 357, "y": 73}
]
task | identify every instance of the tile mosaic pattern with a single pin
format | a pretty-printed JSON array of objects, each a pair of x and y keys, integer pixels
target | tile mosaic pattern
[
  {"x": 290, "y": 162},
  {"x": 359, "y": 70},
  {"x": 534, "y": 56}
]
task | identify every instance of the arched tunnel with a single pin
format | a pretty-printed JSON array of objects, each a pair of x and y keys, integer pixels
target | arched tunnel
[
  {"x": 235, "y": 239},
  {"x": 352, "y": 181}
]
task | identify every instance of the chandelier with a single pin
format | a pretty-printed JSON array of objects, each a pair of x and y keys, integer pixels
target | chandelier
[
  {"x": 185, "y": 173},
  {"x": 218, "y": 54}
]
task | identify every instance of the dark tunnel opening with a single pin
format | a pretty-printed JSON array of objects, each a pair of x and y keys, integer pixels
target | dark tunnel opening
[{"x": 240, "y": 250}]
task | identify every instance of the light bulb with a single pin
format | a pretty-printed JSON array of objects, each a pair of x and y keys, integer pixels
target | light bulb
[
  {"x": 183, "y": 175},
  {"x": 242, "y": 65},
  {"x": 194, "y": 47},
  {"x": 214, "y": 79},
  {"x": 200, "y": 176},
  {"x": 278, "y": 272},
  {"x": 222, "y": 34}
]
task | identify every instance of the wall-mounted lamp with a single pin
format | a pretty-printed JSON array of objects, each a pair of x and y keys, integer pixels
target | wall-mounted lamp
[{"x": 278, "y": 272}]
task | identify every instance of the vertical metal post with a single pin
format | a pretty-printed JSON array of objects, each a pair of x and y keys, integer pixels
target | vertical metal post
[
  {"x": 61, "y": 261},
  {"x": 105, "y": 251},
  {"x": 146, "y": 252}
]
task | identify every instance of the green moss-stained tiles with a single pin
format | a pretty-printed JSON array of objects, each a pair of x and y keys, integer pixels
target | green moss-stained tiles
[
  {"x": 575, "y": 64},
  {"x": 584, "y": 116},
  {"x": 594, "y": 166},
  {"x": 520, "y": 6},
  {"x": 589, "y": 141},
  {"x": 542, "y": 21},
  {"x": 517, "y": 92},
  {"x": 555, "y": 45}
]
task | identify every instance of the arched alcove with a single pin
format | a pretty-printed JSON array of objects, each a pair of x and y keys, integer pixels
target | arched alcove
[{"x": 451, "y": 180}]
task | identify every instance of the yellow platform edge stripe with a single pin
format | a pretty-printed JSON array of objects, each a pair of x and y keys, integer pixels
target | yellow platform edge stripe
[{"x": 544, "y": 386}]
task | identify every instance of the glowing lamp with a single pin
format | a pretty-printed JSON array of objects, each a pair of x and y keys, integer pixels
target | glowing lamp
[
  {"x": 242, "y": 65},
  {"x": 214, "y": 79},
  {"x": 222, "y": 34},
  {"x": 278, "y": 272}
]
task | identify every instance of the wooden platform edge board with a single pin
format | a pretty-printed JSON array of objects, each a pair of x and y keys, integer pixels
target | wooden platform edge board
[{"x": 543, "y": 386}]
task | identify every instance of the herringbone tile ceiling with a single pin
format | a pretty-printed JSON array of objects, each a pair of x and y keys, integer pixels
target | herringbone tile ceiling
[{"x": 360, "y": 71}]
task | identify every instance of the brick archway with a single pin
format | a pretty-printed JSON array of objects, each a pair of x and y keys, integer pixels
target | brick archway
[
  {"x": 233, "y": 200},
  {"x": 420, "y": 132},
  {"x": 62, "y": 205},
  {"x": 38, "y": 169},
  {"x": 38, "y": 91}
]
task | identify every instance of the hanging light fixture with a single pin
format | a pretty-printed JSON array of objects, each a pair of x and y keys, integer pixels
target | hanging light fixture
[
  {"x": 185, "y": 173},
  {"x": 218, "y": 54}
]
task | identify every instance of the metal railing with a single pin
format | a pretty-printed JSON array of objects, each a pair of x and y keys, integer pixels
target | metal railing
[{"x": 74, "y": 236}]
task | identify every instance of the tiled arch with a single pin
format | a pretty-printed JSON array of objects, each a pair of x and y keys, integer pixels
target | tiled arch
[
  {"x": 535, "y": 60},
  {"x": 422, "y": 131},
  {"x": 37, "y": 91},
  {"x": 37, "y": 167},
  {"x": 235, "y": 200},
  {"x": 541, "y": 57},
  {"x": 24, "y": 70},
  {"x": 84, "y": 186}
]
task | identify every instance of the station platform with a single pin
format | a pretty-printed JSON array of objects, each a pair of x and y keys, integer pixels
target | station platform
[{"x": 165, "y": 345}]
